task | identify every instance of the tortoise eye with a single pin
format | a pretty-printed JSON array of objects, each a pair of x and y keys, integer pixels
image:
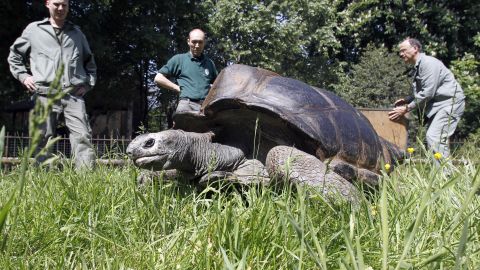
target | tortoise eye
[{"x": 149, "y": 143}]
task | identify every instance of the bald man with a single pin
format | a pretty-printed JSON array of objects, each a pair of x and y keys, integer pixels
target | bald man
[
  {"x": 437, "y": 96},
  {"x": 193, "y": 73}
]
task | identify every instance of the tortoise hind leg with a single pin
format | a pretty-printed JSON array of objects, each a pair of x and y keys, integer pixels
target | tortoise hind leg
[
  {"x": 350, "y": 172},
  {"x": 345, "y": 169},
  {"x": 370, "y": 178},
  {"x": 252, "y": 171},
  {"x": 288, "y": 163}
]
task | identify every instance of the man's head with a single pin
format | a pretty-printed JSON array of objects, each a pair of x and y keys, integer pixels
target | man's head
[
  {"x": 196, "y": 42},
  {"x": 58, "y": 9},
  {"x": 409, "y": 49}
]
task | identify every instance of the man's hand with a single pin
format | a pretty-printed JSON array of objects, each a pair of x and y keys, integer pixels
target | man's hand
[
  {"x": 163, "y": 82},
  {"x": 29, "y": 83},
  {"x": 400, "y": 102},
  {"x": 80, "y": 91},
  {"x": 397, "y": 113}
]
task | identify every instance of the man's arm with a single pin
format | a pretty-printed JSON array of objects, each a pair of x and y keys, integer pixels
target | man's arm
[
  {"x": 90, "y": 65},
  {"x": 90, "y": 69},
  {"x": 164, "y": 82},
  {"x": 215, "y": 72},
  {"x": 17, "y": 58},
  {"x": 429, "y": 74}
]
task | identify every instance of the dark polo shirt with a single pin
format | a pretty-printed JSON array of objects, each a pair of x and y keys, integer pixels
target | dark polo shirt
[{"x": 194, "y": 75}]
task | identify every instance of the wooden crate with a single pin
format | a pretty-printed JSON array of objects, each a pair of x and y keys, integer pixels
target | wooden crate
[{"x": 394, "y": 132}]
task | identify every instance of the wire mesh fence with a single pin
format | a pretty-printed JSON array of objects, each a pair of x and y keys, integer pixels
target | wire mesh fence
[
  {"x": 105, "y": 147},
  {"x": 108, "y": 149}
]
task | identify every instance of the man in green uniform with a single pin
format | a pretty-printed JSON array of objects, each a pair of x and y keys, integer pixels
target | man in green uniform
[
  {"x": 46, "y": 45},
  {"x": 193, "y": 72}
]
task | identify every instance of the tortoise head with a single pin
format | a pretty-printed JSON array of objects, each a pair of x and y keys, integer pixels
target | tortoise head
[{"x": 155, "y": 150}]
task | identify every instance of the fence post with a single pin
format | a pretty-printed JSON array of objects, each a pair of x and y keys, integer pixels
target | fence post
[{"x": 5, "y": 146}]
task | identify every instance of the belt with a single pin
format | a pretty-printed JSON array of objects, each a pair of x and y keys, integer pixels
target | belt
[{"x": 193, "y": 100}]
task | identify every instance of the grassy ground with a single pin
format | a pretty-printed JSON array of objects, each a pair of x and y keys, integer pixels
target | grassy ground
[{"x": 418, "y": 219}]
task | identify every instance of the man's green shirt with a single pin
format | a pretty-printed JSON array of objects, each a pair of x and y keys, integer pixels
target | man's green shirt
[{"x": 194, "y": 75}]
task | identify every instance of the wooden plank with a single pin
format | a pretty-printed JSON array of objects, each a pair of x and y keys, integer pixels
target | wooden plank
[{"x": 394, "y": 132}]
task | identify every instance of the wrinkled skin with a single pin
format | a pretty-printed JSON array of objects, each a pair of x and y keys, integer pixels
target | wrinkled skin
[
  {"x": 194, "y": 156},
  {"x": 253, "y": 118},
  {"x": 185, "y": 151}
]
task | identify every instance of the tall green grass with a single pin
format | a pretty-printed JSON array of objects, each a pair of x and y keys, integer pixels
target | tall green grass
[
  {"x": 418, "y": 219},
  {"x": 53, "y": 218},
  {"x": 37, "y": 118}
]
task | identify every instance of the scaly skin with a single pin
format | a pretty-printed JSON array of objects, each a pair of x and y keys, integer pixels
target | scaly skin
[
  {"x": 184, "y": 151},
  {"x": 194, "y": 154}
]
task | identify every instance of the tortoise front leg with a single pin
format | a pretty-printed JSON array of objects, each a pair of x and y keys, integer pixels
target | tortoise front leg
[
  {"x": 251, "y": 171},
  {"x": 147, "y": 177}
]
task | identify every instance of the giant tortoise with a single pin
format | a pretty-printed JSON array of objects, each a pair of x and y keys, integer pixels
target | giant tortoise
[{"x": 253, "y": 117}]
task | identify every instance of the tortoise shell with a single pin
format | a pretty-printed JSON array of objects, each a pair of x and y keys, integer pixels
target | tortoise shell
[{"x": 256, "y": 109}]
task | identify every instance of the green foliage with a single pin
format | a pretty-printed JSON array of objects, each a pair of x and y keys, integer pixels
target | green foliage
[
  {"x": 293, "y": 38},
  {"x": 312, "y": 41},
  {"x": 376, "y": 81},
  {"x": 467, "y": 74},
  {"x": 160, "y": 115},
  {"x": 445, "y": 27},
  {"x": 11, "y": 26},
  {"x": 129, "y": 38}
]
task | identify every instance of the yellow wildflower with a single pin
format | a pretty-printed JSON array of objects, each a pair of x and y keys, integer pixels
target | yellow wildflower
[
  {"x": 387, "y": 167},
  {"x": 410, "y": 150},
  {"x": 437, "y": 156}
]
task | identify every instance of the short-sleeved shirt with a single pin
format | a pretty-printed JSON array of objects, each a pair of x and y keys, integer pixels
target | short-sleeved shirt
[{"x": 194, "y": 75}]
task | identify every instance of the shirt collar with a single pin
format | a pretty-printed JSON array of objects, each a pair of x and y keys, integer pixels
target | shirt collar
[
  {"x": 198, "y": 59},
  {"x": 44, "y": 21},
  {"x": 67, "y": 25},
  {"x": 420, "y": 56}
]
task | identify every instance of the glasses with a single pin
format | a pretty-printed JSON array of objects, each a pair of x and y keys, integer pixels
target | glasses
[{"x": 405, "y": 49}]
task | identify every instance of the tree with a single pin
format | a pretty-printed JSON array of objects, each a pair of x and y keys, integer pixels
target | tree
[
  {"x": 376, "y": 81},
  {"x": 318, "y": 42},
  {"x": 128, "y": 37},
  {"x": 291, "y": 37},
  {"x": 11, "y": 26},
  {"x": 467, "y": 73},
  {"x": 445, "y": 27}
]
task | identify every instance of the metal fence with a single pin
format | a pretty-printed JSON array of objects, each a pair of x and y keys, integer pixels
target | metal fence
[{"x": 105, "y": 147}]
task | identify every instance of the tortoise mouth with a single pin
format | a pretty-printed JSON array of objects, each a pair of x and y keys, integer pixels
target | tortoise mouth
[{"x": 154, "y": 161}]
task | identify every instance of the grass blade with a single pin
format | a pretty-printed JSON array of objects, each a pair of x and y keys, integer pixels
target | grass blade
[
  {"x": 384, "y": 225},
  {"x": 3, "y": 217},
  {"x": 349, "y": 248},
  {"x": 434, "y": 258},
  {"x": 462, "y": 245}
]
